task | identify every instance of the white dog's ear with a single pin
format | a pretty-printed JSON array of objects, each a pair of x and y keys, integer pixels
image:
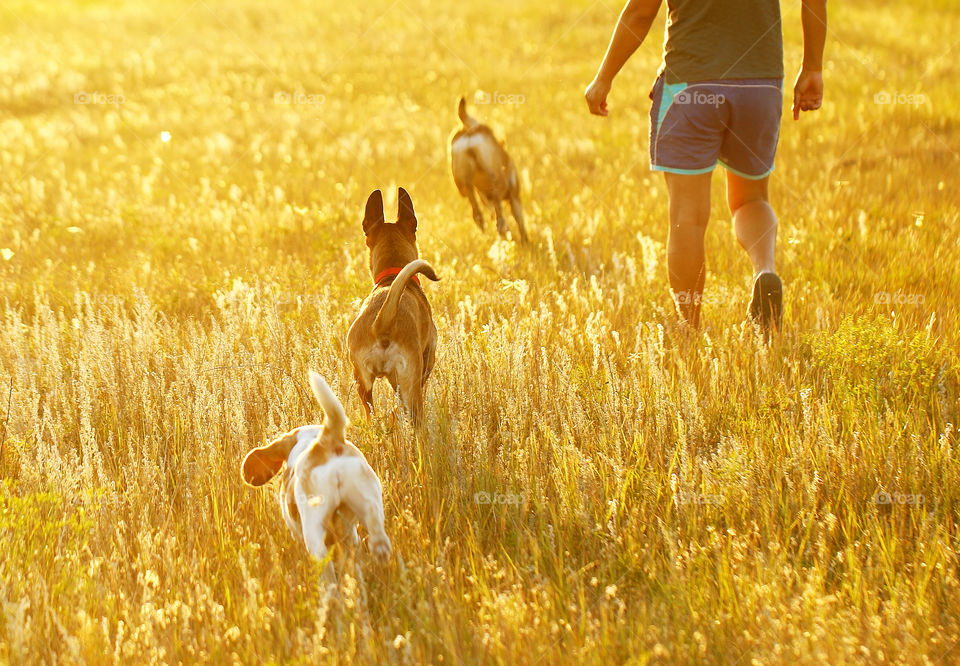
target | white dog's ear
[{"x": 263, "y": 463}]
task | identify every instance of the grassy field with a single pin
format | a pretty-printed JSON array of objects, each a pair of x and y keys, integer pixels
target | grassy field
[{"x": 181, "y": 195}]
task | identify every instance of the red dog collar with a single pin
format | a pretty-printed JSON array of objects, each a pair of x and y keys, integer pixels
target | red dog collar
[{"x": 390, "y": 272}]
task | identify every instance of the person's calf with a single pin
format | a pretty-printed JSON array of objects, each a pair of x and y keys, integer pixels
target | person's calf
[
  {"x": 689, "y": 214},
  {"x": 755, "y": 224},
  {"x": 687, "y": 267}
]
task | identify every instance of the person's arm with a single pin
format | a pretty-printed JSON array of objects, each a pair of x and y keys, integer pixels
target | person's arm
[
  {"x": 808, "y": 89},
  {"x": 632, "y": 27}
]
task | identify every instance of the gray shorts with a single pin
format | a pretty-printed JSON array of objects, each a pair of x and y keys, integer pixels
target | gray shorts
[{"x": 735, "y": 122}]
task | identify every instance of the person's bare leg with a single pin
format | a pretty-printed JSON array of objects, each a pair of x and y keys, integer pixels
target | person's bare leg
[
  {"x": 754, "y": 221},
  {"x": 755, "y": 224},
  {"x": 689, "y": 214}
]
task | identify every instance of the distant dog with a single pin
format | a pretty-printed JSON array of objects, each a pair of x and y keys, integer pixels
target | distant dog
[
  {"x": 328, "y": 486},
  {"x": 480, "y": 164},
  {"x": 394, "y": 335}
]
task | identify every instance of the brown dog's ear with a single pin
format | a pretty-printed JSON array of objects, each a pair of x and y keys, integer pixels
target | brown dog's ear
[
  {"x": 263, "y": 463},
  {"x": 373, "y": 215},
  {"x": 405, "y": 215}
]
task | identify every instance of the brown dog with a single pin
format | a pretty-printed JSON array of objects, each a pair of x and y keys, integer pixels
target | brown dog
[
  {"x": 480, "y": 163},
  {"x": 394, "y": 335}
]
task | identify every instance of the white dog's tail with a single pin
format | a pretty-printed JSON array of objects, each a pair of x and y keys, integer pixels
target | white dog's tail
[
  {"x": 467, "y": 120},
  {"x": 336, "y": 421},
  {"x": 388, "y": 311}
]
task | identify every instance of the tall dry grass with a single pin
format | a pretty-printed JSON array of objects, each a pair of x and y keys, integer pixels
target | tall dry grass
[{"x": 655, "y": 495}]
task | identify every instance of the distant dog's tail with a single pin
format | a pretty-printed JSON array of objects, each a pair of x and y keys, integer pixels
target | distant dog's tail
[
  {"x": 336, "y": 422},
  {"x": 465, "y": 118},
  {"x": 388, "y": 312}
]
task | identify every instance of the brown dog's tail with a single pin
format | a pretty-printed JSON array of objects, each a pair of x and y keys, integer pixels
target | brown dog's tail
[
  {"x": 388, "y": 311},
  {"x": 465, "y": 118}
]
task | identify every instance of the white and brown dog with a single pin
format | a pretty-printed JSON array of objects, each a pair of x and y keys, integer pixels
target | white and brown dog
[
  {"x": 328, "y": 486},
  {"x": 480, "y": 164}
]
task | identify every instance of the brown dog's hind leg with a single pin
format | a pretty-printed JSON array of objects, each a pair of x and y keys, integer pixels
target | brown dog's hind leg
[
  {"x": 411, "y": 393},
  {"x": 429, "y": 358},
  {"x": 365, "y": 393},
  {"x": 464, "y": 171},
  {"x": 517, "y": 211},
  {"x": 501, "y": 222},
  {"x": 475, "y": 205}
]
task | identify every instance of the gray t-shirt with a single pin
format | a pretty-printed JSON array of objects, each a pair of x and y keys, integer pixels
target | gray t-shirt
[{"x": 722, "y": 39}]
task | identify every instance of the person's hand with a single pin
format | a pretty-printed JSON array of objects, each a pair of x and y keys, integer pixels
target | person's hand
[
  {"x": 596, "y": 96},
  {"x": 807, "y": 92}
]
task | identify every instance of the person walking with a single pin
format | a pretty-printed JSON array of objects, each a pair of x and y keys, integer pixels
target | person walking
[{"x": 718, "y": 98}]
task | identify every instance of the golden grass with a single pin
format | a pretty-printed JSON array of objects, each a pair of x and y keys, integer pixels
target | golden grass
[{"x": 680, "y": 498}]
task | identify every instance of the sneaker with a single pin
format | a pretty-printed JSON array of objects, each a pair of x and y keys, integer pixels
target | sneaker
[{"x": 766, "y": 306}]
